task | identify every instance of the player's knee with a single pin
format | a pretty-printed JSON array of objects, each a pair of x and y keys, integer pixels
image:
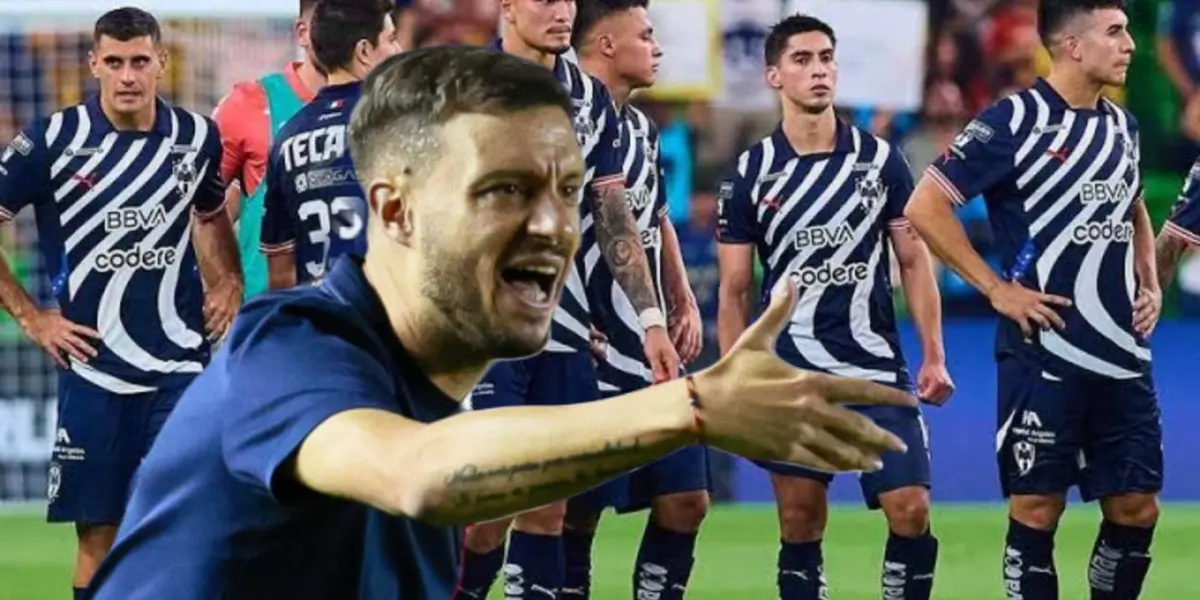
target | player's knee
[
  {"x": 1038, "y": 512},
  {"x": 482, "y": 538},
  {"x": 803, "y": 520},
  {"x": 581, "y": 520},
  {"x": 1132, "y": 510},
  {"x": 547, "y": 520},
  {"x": 907, "y": 510},
  {"x": 682, "y": 512},
  {"x": 95, "y": 540}
]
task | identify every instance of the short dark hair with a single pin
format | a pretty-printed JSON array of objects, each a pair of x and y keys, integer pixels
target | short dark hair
[
  {"x": 127, "y": 23},
  {"x": 406, "y": 97},
  {"x": 590, "y": 12},
  {"x": 338, "y": 25},
  {"x": 1053, "y": 14},
  {"x": 307, "y": 5},
  {"x": 783, "y": 31}
]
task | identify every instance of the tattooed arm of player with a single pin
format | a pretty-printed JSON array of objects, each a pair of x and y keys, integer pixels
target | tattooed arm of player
[
  {"x": 620, "y": 243},
  {"x": 1168, "y": 249}
]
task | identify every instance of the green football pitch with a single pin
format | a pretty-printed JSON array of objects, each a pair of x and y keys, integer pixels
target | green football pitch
[{"x": 736, "y": 554}]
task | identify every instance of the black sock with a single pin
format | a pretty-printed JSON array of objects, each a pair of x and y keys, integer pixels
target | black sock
[
  {"x": 801, "y": 571},
  {"x": 908, "y": 566},
  {"x": 1029, "y": 563},
  {"x": 664, "y": 563},
  {"x": 79, "y": 593},
  {"x": 478, "y": 573},
  {"x": 1120, "y": 560},
  {"x": 577, "y": 552},
  {"x": 535, "y": 564}
]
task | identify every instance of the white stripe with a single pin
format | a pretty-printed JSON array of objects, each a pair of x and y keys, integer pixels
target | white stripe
[
  {"x": 88, "y": 262},
  {"x": 108, "y": 321},
  {"x": 1018, "y": 114},
  {"x": 127, "y": 159},
  {"x": 1049, "y": 258},
  {"x": 1056, "y": 345},
  {"x": 743, "y": 161},
  {"x": 806, "y": 184},
  {"x": 815, "y": 208},
  {"x": 860, "y": 311},
  {"x": 173, "y": 326},
  {"x": 1003, "y": 431},
  {"x": 1056, "y": 144},
  {"x": 604, "y": 386},
  {"x": 764, "y": 166},
  {"x": 1071, "y": 194},
  {"x": 88, "y": 167},
  {"x": 103, "y": 380},
  {"x": 785, "y": 176},
  {"x": 54, "y": 128},
  {"x": 1043, "y": 115},
  {"x": 82, "y": 129}
]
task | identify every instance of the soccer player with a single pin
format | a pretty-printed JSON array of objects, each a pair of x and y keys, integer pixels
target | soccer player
[
  {"x": 341, "y": 472},
  {"x": 248, "y": 117},
  {"x": 819, "y": 200},
  {"x": 1058, "y": 166},
  {"x": 540, "y": 30},
  {"x": 615, "y": 43},
  {"x": 129, "y": 214},
  {"x": 1180, "y": 232},
  {"x": 314, "y": 210}
]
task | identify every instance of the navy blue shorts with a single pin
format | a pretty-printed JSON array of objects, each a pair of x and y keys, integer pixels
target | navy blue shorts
[
  {"x": 100, "y": 441},
  {"x": 900, "y": 469},
  {"x": 684, "y": 470},
  {"x": 547, "y": 379},
  {"x": 1103, "y": 435}
]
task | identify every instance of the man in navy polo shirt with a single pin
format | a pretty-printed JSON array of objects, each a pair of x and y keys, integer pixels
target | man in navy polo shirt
[{"x": 315, "y": 459}]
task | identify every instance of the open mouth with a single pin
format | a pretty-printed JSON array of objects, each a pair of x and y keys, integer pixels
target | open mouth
[{"x": 533, "y": 283}]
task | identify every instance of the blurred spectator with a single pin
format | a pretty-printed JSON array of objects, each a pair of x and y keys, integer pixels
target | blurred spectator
[
  {"x": 698, "y": 244},
  {"x": 1178, "y": 46},
  {"x": 443, "y": 22},
  {"x": 676, "y": 143},
  {"x": 746, "y": 109}
]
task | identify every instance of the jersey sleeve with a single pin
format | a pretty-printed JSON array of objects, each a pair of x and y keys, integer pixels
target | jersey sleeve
[
  {"x": 898, "y": 183},
  {"x": 736, "y": 221},
  {"x": 238, "y": 112},
  {"x": 1184, "y": 221},
  {"x": 24, "y": 172},
  {"x": 980, "y": 156},
  {"x": 209, "y": 200},
  {"x": 664, "y": 210},
  {"x": 278, "y": 225},
  {"x": 291, "y": 375},
  {"x": 605, "y": 158}
]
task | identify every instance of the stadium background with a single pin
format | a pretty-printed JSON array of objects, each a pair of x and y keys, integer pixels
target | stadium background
[{"x": 939, "y": 62}]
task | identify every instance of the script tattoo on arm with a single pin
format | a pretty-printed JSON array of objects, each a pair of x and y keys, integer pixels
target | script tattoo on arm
[
  {"x": 539, "y": 482},
  {"x": 621, "y": 245}
]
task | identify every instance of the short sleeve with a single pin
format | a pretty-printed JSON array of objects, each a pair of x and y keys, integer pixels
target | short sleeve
[
  {"x": 235, "y": 115},
  {"x": 604, "y": 161},
  {"x": 24, "y": 174},
  {"x": 1184, "y": 222},
  {"x": 291, "y": 373},
  {"x": 278, "y": 224},
  {"x": 736, "y": 221},
  {"x": 898, "y": 183},
  {"x": 209, "y": 200},
  {"x": 663, "y": 210},
  {"x": 980, "y": 156}
]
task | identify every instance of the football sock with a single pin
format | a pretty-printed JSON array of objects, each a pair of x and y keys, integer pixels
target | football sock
[
  {"x": 535, "y": 566},
  {"x": 801, "y": 571},
  {"x": 908, "y": 566},
  {"x": 1029, "y": 563},
  {"x": 1120, "y": 560},
  {"x": 664, "y": 563}
]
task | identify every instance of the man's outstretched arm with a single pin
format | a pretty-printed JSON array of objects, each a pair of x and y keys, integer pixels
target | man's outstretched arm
[{"x": 484, "y": 465}]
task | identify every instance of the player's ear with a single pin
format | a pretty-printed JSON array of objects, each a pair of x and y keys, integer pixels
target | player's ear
[
  {"x": 506, "y": 7},
  {"x": 163, "y": 58},
  {"x": 93, "y": 63},
  {"x": 774, "y": 79},
  {"x": 606, "y": 45},
  {"x": 390, "y": 201}
]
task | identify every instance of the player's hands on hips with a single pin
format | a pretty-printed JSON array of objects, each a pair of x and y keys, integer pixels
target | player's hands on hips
[
  {"x": 1146, "y": 310},
  {"x": 221, "y": 303},
  {"x": 1028, "y": 308},
  {"x": 686, "y": 328},
  {"x": 754, "y": 404},
  {"x": 60, "y": 337},
  {"x": 934, "y": 385},
  {"x": 660, "y": 353},
  {"x": 598, "y": 343}
]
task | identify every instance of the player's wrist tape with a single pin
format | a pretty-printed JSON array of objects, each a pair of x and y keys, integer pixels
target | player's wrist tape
[
  {"x": 694, "y": 400},
  {"x": 652, "y": 317}
]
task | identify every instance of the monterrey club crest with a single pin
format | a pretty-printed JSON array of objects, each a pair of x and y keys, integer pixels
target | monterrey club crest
[
  {"x": 184, "y": 173},
  {"x": 871, "y": 193}
]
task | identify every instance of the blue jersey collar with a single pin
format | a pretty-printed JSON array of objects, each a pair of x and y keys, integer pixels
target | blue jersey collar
[
  {"x": 1056, "y": 102},
  {"x": 843, "y": 142},
  {"x": 101, "y": 124}
]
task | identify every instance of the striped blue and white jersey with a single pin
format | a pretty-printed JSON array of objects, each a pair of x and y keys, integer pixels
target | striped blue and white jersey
[
  {"x": 1060, "y": 184},
  {"x": 113, "y": 212},
  {"x": 598, "y": 130},
  {"x": 626, "y": 368},
  {"x": 823, "y": 220}
]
